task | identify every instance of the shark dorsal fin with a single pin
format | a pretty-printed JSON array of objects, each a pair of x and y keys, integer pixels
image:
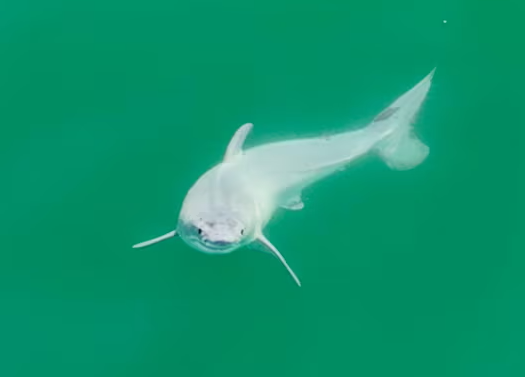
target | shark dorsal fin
[
  {"x": 237, "y": 141},
  {"x": 267, "y": 246}
]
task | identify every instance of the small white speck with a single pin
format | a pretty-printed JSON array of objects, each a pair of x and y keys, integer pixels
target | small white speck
[{"x": 444, "y": 21}]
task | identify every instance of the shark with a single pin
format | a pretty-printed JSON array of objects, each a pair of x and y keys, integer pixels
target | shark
[{"x": 229, "y": 206}]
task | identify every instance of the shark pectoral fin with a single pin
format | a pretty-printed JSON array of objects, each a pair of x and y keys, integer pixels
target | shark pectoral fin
[
  {"x": 294, "y": 204},
  {"x": 235, "y": 146},
  {"x": 267, "y": 246},
  {"x": 155, "y": 240}
]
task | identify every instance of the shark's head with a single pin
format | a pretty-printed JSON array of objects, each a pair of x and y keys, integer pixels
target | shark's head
[
  {"x": 215, "y": 232},
  {"x": 222, "y": 213}
]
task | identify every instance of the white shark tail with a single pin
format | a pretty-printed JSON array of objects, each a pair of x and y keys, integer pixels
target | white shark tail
[{"x": 401, "y": 149}]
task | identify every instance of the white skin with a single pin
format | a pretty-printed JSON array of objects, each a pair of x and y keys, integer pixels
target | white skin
[{"x": 229, "y": 205}]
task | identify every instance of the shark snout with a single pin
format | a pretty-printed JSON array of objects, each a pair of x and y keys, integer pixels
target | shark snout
[
  {"x": 220, "y": 239},
  {"x": 218, "y": 246},
  {"x": 213, "y": 232},
  {"x": 221, "y": 243}
]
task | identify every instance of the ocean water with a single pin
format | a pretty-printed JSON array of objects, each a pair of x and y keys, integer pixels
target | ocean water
[{"x": 109, "y": 112}]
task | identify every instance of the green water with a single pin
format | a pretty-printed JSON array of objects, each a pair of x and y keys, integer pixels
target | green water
[{"x": 110, "y": 111}]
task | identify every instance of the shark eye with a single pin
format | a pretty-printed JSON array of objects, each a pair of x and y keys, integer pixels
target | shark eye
[
  {"x": 199, "y": 231},
  {"x": 242, "y": 232}
]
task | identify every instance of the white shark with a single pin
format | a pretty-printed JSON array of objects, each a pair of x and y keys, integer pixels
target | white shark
[{"x": 229, "y": 205}]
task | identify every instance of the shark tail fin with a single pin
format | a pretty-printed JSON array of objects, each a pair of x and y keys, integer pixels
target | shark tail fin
[{"x": 402, "y": 149}]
